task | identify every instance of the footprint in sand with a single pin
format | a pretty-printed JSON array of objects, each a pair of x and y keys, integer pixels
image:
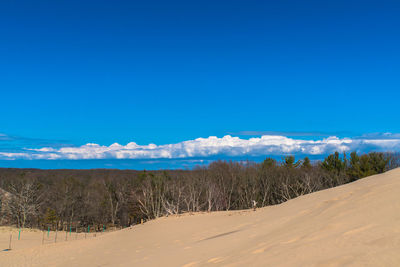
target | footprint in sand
[
  {"x": 291, "y": 240},
  {"x": 357, "y": 230},
  {"x": 262, "y": 249},
  {"x": 215, "y": 260},
  {"x": 190, "y": 264},
  {"x": 257, "y": 251}
]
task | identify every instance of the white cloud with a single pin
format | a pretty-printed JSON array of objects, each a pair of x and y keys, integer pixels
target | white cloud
[
  {"x": 211, "y": 146},
  {"x": 4, "y": 137}
]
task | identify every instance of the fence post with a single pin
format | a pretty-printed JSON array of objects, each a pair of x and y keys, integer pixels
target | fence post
[
  {"x": 9, "y": 245},
  {"x": 55, "y": 238},
  {"x": 19, "y": 233},
  {"x": 43, "y": 237}
]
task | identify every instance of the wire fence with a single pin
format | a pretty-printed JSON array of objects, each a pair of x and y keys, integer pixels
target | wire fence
[{"x": 25, "y": 238}]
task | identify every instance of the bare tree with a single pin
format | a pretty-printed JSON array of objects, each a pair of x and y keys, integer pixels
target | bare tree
[
  {"x": 152, "y": 193},
  {"x": 25, "y": 200},
  {"x": 118, "y": 197},
  {"x": 116, "y": 194}
]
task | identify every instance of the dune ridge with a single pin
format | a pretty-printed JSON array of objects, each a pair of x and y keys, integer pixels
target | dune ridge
[{"x": 356, "y": 224}]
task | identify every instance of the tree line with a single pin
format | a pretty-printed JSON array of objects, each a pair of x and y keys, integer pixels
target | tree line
[{"x": 79, "y": 198}]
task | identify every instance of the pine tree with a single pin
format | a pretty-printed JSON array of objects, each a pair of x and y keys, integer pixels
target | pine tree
[{"x": 306, "y": 164}]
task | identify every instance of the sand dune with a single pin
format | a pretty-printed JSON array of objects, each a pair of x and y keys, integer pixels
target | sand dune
[{"x": 357, "y": 224}]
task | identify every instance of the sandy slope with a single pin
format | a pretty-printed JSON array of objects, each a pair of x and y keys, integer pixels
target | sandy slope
[{"x": 356, "y": 224}]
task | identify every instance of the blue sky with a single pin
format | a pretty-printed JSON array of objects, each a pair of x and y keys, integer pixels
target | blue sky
[{"x": 164, "y": 72}]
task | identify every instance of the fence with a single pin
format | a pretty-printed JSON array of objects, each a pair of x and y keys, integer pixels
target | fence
[{"x": 25, "y": 238}]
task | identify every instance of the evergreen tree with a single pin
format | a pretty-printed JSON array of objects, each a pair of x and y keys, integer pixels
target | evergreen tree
[
  {"x": 378, "y": 162},
  {"x": 50, "y": 217},
  {"x": 306, "y": 164},
  {"x": 269, "y": 163},
  {"x": 354, "y": 168},
  {"x": 334, "y": 164},
  {"x": 290, "y": 162}
]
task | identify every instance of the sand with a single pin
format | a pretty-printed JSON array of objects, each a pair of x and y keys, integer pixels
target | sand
[{"x": 357, "y": 224}]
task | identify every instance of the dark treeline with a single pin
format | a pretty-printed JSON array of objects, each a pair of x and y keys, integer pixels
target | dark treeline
[{"x": 78, "y": 198}]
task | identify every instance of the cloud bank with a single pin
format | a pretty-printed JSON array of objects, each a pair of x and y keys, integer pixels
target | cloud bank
[{"x": 213, "y": 146}]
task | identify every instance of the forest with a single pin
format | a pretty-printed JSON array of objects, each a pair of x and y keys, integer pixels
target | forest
[{"x": 59, "y": 199}]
